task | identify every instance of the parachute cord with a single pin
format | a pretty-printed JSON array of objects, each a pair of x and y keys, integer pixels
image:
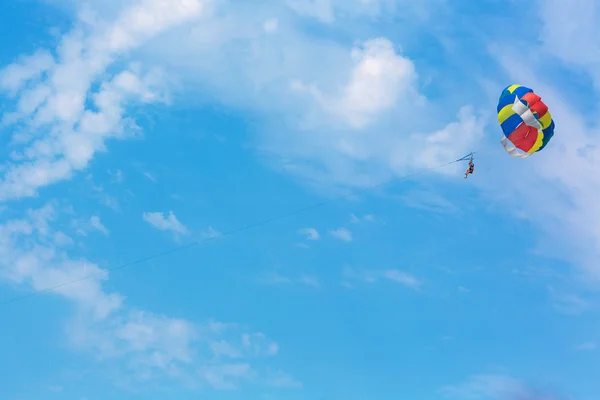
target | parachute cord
[{"x": 231, "y": 232}]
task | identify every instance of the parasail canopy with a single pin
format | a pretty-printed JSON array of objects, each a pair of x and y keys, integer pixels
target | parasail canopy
[{"x": 525, "y": 121}]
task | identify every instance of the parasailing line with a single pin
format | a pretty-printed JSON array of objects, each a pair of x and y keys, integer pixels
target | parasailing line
[{"x": 233, "y": 231}]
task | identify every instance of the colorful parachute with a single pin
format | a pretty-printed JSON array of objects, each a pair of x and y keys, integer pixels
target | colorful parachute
[{"x": 525, "y": 121}]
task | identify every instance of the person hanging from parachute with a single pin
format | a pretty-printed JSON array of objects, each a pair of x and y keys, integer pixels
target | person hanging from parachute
[{"x": 471, "y": 168}]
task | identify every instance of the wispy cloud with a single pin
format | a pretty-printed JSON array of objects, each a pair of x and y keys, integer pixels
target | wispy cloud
[
  {"x": 164, "y": 222},
  {"x": 257, "y": 344},
  {"x": 309, "y": 280},
  {"x": 271, "y": 25},
  {"x": 366, "y": 218},
  {"x": 402, "y": 278},
  {"x": 110, "y": 202},
  {"x": 116, "y": 176},
  {"x": 492, "y": 387},
  {"x": 342, "y": 234},
  {"x": 350, "y": 275},
  {"x": 587, "y": 346},
  {"x": 27, "y": 259},
  {"x": 428, "y": 200},
  {"x": 53, "y": 91},
  {"x": 275, "y": 278},
  {"x": 96, "y": 224},
  {"x": 309, "y": 233},
  {"x": 496, "y": 387},
  {"x": 61, "y": 239},
  {"x": 56, "y": 389},
  {"x": 210, "y": 233},
  {"x": 150, "y": 177},
  {"x": 280, "y": 379},
  {"x": 568, "y": 303},
  {"x": 141, "y": 345},
  {"x": 105, "y": 199}
]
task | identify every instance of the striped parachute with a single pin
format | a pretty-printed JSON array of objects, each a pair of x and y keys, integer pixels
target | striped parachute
[{"x": 525, "y": 121}]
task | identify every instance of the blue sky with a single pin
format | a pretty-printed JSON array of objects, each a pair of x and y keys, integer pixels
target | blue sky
[{"x": 133, "y": 127}]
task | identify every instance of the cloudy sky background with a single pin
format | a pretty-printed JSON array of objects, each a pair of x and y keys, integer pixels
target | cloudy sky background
[{"x": 132, "y": 127}]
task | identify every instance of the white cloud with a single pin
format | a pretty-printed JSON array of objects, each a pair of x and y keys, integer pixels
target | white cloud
[
  {"x": 167, "y": 339},
  {"x": 28, "y": 258},
  {"x": 271, "y": 25},
  {"x": 83, "y": 227},
  {"x": 210, "y": 233},
  {"x": 378, "y": 78},
  {"x": 275, "y": 278},
  {"x": 402, "y": 278},
  {"x": 96, "y": 224},
  {"x": 157, "y": 346},
  {"x": 342, "y": 234},
  {"x": 110, "y": 202},
  {"x": 52, "y": 93},
  {"x": 164, "y": 222},
  {"x": 569, "y": 303},
  {"x": 226, "y": 376},
  {"x": 350, "y": 275},
  {"x": 146, "y": 345},
  {"x": 320, "y": 9},
  {"x": 369, "y": 156},
  {"x": 257, "y": 344},
  {"x": 150, "y": 177},
  {"x": 15, "y": 76},
  {"x": 117, "y": 176},
  {"x": 62, "y": 240},
  {"x": 309, "y": 280},
  {"x": 559, "y": 34},
  {"x": 453, "y": 141},
  {"x": 492, "y": 387},
  {"x": 366, "y": 218},
  {"x": 223, "y": 348},
  {"x": 587, "y": 346},
  {"x": 327, "y": 11},
  {"x": 495, "y": 387},
  {"x": 310, "y": 233},
  {"x": 280, "y": 379}
]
